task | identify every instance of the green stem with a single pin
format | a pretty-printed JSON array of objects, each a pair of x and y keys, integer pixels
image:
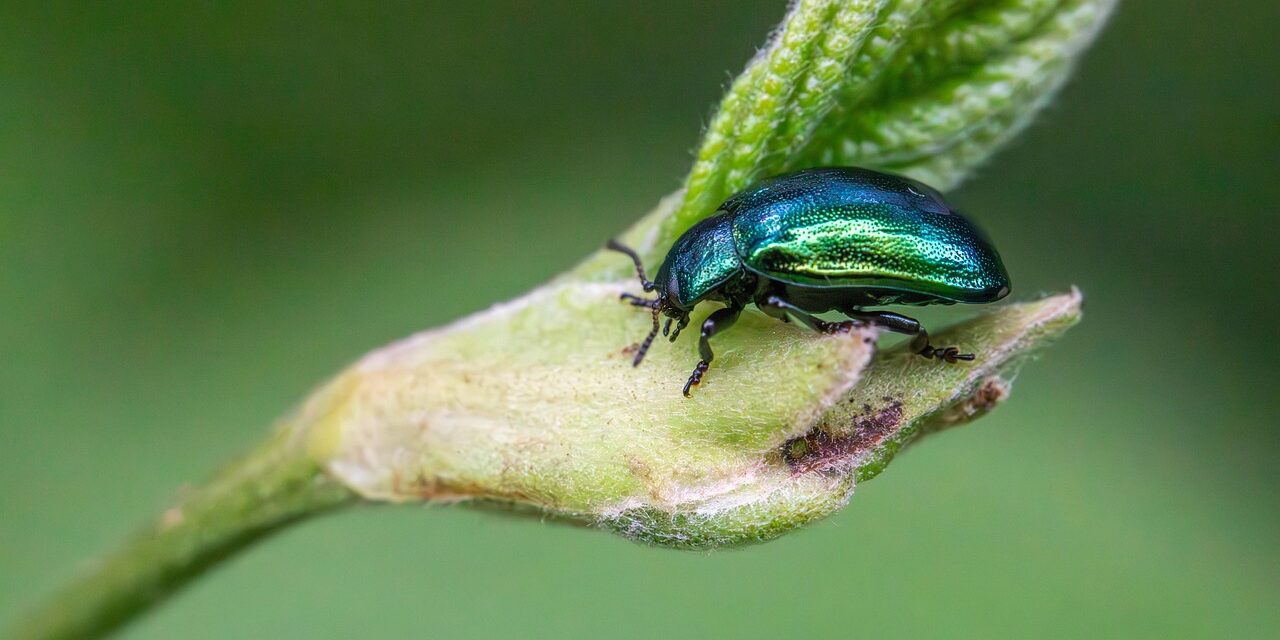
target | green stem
[{"x": 274, "y": 485}]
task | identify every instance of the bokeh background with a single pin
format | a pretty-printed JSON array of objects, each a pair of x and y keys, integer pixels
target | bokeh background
[{"x": 205, "y": 209}]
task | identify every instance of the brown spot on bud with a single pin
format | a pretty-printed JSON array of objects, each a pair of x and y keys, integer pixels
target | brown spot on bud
[
  {"x": 989, "y": 393},
  {"x": 822, "y": 451}
]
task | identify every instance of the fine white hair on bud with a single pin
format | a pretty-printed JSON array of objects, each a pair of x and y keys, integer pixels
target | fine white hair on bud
[{"x": 534, "y": 403}]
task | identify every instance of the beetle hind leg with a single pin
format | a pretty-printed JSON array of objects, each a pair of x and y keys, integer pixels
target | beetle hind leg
[
  {"x": 899, "y": 323},
  {"x": 949, "y": 354},
  {"x": 774, "y": 306}
]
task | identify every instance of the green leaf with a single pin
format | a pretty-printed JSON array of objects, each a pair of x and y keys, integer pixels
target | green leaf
[{"x": 967, "y": 89}]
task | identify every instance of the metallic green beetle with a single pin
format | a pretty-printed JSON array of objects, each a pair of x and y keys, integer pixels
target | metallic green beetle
[{"x": 829, "y": 239}]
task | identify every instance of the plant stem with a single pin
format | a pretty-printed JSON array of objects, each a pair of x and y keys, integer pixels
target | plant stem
[{"x": 274, "y": 485}]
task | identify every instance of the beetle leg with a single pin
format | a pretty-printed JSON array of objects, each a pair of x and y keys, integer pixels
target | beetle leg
[
  {"x": 902, "y": 324},
  {"x": 775, "y": 306},
  {"x": 715, "y": 323},
  {"x": 621, "y": 248},
  {"x": 775, "y": 312}
]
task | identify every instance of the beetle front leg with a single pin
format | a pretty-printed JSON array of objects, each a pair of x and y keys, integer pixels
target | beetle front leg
[
  {"x": 680, "y": 325},
  {"x": 715, "y": 323},
  {"x": 902, "y": 324}
]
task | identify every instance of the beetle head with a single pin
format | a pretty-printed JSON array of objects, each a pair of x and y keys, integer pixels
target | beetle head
[{"x": 663, "y": 304}]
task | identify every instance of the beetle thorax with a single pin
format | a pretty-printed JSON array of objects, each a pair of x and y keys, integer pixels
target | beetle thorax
[{"x": 700, "y": 265}]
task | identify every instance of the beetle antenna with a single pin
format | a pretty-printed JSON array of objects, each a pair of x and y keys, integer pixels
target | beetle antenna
[
  {"x": 637, "y": 301},
  {"x": 644, "y": 346},
  {"x": 621, "y": 248}
]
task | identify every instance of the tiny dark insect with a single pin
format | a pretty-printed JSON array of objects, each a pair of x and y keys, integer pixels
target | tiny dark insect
[{"x": 829, "y": 239}]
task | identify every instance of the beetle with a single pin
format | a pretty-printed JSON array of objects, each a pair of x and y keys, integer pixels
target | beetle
[{"x": 817, "y": 240}]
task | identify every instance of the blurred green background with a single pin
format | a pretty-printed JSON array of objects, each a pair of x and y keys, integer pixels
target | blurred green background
[{"x": 206, "y": 209}]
